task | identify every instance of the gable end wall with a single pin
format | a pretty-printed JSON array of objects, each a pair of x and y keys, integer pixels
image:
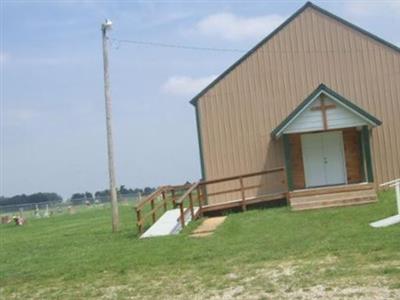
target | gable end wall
[{"x": 238, "y": 114}]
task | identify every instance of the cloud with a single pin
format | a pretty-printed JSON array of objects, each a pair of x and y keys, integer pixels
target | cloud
[
  {"x": 16, "y": 117},
  {"x": 231, "y": 27},
  {"x": 3, "y": 57},
  {"x": 372, "y": 8},
  {"x": 40, "y": 60},
  {"x": 185, "y": 85}
]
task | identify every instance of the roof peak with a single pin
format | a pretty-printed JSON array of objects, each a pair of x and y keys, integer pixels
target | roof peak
[{"x": 308, "y": 4}]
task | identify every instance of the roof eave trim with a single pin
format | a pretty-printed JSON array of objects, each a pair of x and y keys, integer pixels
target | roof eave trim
[{"x": 248, "y": 53}]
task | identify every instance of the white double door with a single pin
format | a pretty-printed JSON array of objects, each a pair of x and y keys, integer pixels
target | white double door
[{"x": 323, "y": 158}]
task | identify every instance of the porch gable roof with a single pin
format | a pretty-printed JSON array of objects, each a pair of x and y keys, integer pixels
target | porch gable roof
[{"x": 335, "y": 97}]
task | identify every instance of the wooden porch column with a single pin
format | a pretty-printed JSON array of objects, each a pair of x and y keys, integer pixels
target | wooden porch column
[
  {"x": 288, "y": 163},
  {"x": 367, "y": 153}
]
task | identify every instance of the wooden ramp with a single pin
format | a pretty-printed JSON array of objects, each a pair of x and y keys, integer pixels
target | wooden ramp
[
  {"x": 334, "y": 196},
  {"x": 168, "y": 224},
  {"x": 183, "y": 199}
]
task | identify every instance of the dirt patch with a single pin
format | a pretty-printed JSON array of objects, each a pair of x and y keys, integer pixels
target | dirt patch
[
  {"x": 293, "y": 279},
  {"x": 208, "y": 227}
]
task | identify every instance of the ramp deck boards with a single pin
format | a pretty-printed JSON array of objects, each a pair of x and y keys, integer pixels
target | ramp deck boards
[{"x": 168, "y": 223}]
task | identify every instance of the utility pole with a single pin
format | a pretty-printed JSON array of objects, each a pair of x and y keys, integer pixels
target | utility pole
[{"x": 111, "y": 169}]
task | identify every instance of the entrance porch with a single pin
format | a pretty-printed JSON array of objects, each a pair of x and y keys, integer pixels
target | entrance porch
[{"x": 327, "y": 151}]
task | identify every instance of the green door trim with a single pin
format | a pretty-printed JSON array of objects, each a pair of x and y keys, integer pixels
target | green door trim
[
  {"x": 288, "y": 163},
  {"x": 367, "y": 153}
]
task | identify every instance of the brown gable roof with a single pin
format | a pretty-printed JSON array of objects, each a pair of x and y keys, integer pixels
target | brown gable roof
[{"x": 277, "y": 30}]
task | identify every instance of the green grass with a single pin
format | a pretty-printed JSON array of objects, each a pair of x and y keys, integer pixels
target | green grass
[{"x": 265, "y": 252}]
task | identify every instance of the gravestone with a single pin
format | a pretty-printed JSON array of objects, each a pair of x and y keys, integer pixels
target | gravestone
[
  {"x": 36, "y": 213},
  {"x": 5, "y": 219},
  {"x": 71, "y": 210},
  {"x": 46, "y": 212}
]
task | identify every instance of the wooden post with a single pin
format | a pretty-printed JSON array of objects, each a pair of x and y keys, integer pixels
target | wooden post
[
  {"x": 173, "y": 198},
  {"x": 204, "y": 195},
  {"x": 361, "y": 149},
  {"x": 243, "y": 194},
  {"x": 164, "y": 198},
  {"x": 191, "y": 205},
  {"x": 139, "y": 221},
  {"x": 153, "y": 215},
  {"x": 288, "y": 163},
  {"x": 182, "y": 216},
  {"x": 198, "y": 190},
  {"x": 367, "y": 153},
  {"x": 397, "y": 187}
]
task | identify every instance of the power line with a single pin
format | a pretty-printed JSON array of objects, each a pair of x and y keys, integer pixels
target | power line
[{"x": 116, "y": 43}]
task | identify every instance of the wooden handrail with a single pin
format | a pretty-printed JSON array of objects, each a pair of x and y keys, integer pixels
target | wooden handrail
[
  {"x": 154, "y": 194},
  {"x": 153, "y": 211},
  {"x": 192, "y": 187},
  {"x": 250, "y": 187},
  {"x": 169, "y": 193},
  {"x": 180, "y": 187},
  {"x": 243, "y": 176}
]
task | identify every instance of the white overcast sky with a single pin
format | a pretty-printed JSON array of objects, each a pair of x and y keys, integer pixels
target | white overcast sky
[{"x": 52, "y": 104}]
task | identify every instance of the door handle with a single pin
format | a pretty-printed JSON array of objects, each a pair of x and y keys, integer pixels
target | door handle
[{"x": 325, "y": 160}]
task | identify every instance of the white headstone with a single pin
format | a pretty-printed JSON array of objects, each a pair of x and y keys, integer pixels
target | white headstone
[{"x": 46, "y": 212}]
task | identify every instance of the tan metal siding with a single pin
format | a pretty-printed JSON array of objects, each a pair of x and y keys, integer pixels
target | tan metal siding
[{"x": 238, "y": 113}]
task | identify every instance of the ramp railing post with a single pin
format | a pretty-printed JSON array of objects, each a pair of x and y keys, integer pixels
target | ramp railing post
[
  {"x": 164, "y": 199},
  {"x": 397, "y": 187},
  {"x": 173, "y": 198},
  {"x": 191, "y": 205},
  {"x": 139, "y": 221},
  {"x": 153, "y": 213},
  {"x": 182, "y": 216},
  {"x": 199, "y": 199}
]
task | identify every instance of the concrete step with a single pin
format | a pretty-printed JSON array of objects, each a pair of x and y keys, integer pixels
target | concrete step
[{"x": 337, "y": 202}]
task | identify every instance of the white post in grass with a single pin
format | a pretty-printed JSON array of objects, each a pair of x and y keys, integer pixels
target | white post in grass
[
  {"x": 396, "y": 218},
  {"x": 46, "y": 212},
  {"x": 398, "y": 196}
]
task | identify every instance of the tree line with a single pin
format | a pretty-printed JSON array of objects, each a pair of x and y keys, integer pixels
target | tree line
[
  {"x": 33, "y": 198},
  {"x": 76, "y": 197}
]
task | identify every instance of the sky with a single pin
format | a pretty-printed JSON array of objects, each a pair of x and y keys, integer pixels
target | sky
[{"x": 52, "y": 115}]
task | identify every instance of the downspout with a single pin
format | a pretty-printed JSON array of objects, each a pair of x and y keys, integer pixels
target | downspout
[{"x": 200, "y": 142}]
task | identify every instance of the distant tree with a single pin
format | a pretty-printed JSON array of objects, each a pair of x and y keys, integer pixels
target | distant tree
[
  {"x": 89, "y": 196},
  {"x": 123, "y": 190},
  {"x": 137, "y": 191},
  {"x": 100, "y": 194},
  {"x": 77, "y": 196},
  {"x": 148, "y": 190},
  {"x": 33, "y": 198}
]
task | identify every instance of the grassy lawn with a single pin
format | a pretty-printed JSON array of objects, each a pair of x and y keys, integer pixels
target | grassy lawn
[{"x": 260, "y": 254}]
